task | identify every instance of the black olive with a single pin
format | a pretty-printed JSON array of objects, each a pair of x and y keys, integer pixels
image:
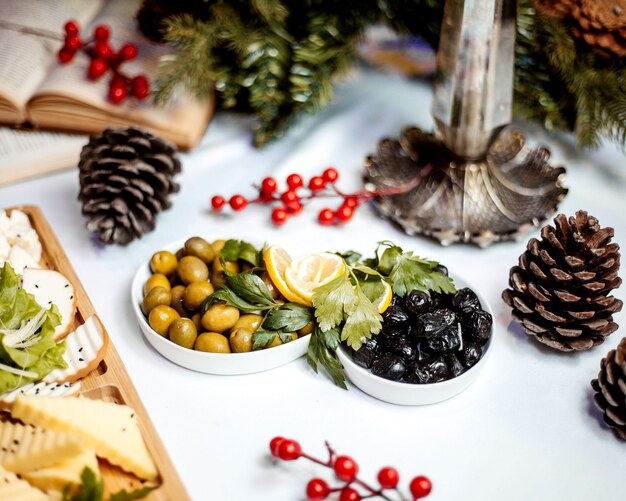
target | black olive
[
  {"x": 365, "y": 355},
  {"x": 471, "y": 354},
  {"x": 431, "y": 370},
  {"x": 431, "y": 324},
  {"x": 395, "y": 315},
  {"x": 446, "y": 341},
  {"x": 439, "y": 300},
  {"x": 417, "y": 302},
  {"x": 399, "y": 345},
  {"x": 477, "y": 324},
  {"x": 466, "y": 300},
  {"x": 456, "y": 367},
  {"x": 441, "y": 269},
  {"x": 389, "y": 366}
]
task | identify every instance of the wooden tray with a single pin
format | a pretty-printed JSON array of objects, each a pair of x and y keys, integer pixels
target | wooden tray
[{"x": 109, "y": 381}]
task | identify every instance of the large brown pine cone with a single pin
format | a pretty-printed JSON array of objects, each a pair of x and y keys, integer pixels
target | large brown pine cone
[
  {"x": 560, "y": 289},
  {"x": 610, "y": 389},
  {"x": 126, "y": 177}
]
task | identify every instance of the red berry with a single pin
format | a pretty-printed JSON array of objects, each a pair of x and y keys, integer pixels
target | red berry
[
  {"x": 97, "y": 68},
  {"x": 140, "y": 87},
  {"x": 276, "y": 441},
  {"x": 326, "y": 217},
  {"x": 351, "y": 202},
  {"x": 103, "y": 50},
  {"x": 294, "y": 208},
  {"x": 279, "y": 217},
  {"x": 330, "y": 175},
  {"x": 218, "y": 202},
  {"x": 317, "y": 183},
  {"x": 65, "y": 55},
  {"x": 344, "y": 213},
  {"x": 269, "y": 185},
  {"x": 420, "y": 487},
  {"x": 71, "y": 27},
  {"x": 388, "y": 477},
  {"x": 238, "y": 202},
  {"x": 73, "y": 43},
  {"x": 128, "y": 52},
  {"x": 101, "y": 33},
  {"x": 349, "y": 494},
  {"x": 294, "y": 181},
  {"x": 289, "y": 196},
  {"x": 317, "y": 490},
  {"x": 289, "y": 450},
  {"x": 345, "y": 468},
  {"x": 117, "y": 91}
]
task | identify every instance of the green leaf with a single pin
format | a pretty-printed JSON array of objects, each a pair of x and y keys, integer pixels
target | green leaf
[
  {"x": 362, "y": 321},
  {"x": 389, "y": 259},
  {"x": 238, "y": 249},
  {"x": 330, "y": 338},
  {"x": 366, "y": 270},
  {"x": 250, "y": 288},
  {"x": 372, "y": 288},
  {"x": 124, "y": 495},
  {"x": 262, "y": 338},
  {"x": 319, "y": 353},
  {"x": 332, "y": 302},
  {"x": 285, "y": 337},
  {"x": 90, "y": 488},
  {"x": 350, "y": 257},
  {"x": 290, "y": 317},
  {"x": 231, "y": 299},
  {"x": 411, "y": 272}
]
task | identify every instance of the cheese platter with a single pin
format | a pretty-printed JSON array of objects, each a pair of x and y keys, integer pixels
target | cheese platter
[{"x": 89, "y": 368}]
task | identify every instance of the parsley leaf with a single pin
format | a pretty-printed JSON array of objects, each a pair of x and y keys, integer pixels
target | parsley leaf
[
  {"x": 362, "y": 321},
  {"x": 333, "y": 301},
  {"x": 350, "y": 257},
  {"x": 321, "y": 353},
  {"x": 411, "y": 272},
  {"x": 290, "y": 317},
  {"x": 250, "y": 287},
  {"x": 124, "y": 495},
  {"x": 232, "y": 299},
  {"x": 92, "y": 489},
  {"x": 238, "y": 249},
  {"x": 262, "y": 338}
]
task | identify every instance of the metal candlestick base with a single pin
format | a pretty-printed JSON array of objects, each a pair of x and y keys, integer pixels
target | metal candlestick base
[{"x": 501, "y": 196}]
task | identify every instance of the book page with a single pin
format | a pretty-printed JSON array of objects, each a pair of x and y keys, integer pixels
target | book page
[
  {"x": 184, "y": 118},
  {"x": 26, "y": 58},
  {"x": 30, "y": 153}
]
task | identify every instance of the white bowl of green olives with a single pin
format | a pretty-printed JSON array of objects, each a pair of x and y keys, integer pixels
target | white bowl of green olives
[
  {"x": 430, "y": 349},
  {"x": 167, "y": 298}
]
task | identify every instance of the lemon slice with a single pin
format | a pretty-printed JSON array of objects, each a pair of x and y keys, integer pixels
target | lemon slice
[
  {"x": 307, "y": 273},
  {"x": 384, "y": 300},
  {"x": 277, "y": 260}
]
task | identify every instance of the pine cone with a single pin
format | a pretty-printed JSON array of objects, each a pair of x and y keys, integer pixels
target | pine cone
[
  {"x": 560, "y": 290},
  {"x": 611, "y": 389},
  {"x": 125, "y": 180}
]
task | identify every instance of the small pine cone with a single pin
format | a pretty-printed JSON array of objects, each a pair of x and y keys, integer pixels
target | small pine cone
[
  {"x": 126, "y": 177},
  {"x": 610, "y": 389},
  {"x": 560, "y": 289}
]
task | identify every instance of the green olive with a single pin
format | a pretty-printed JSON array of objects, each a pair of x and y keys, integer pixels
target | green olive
[
  {"x": 213, "y": 342},
  {"x": 307, "y": 329},
  {"x": 240, "y": 340},
  {"x": 180, "y": 253},
  {"x": 195, "y": 318},
  {"x": 218, "y": 278},
  {"x": 249, "y": 322},
  {"x": 218, "y": 245},
  {"x": 163, "y": 262},
  {"x": 161, "y": 317},
  {"x": 274, "y": 292},
  {"x": 196, "y": 293},
  {"x": 232, "y": 266},
  {"x": 183, "y": 332},
  {"x": 192, "y": 269},
  {"x": 199, "y": 247},
  {"x": 156, "y": 296},
  {"x": 220, "y": 317},
  {"x": 156, "y": 280},
  {"x": 177, "y": 300},
  {"x": 277, "y": 342}
]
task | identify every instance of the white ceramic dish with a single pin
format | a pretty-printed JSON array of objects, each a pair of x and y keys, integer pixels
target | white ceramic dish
[
  {"x": 416, "y": 394},
  {"x": 211, "y": 363}
]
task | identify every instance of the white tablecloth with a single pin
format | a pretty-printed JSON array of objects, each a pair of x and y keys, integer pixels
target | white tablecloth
[{"x": 527, "y": 429}]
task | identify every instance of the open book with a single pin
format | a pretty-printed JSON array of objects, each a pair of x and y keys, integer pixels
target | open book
[{"x": 36, "y": 89}]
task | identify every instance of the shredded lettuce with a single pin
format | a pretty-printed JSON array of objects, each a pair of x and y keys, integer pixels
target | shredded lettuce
[{"x": 26, "y": 334}]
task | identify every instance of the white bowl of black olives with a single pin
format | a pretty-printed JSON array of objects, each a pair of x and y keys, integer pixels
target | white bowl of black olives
[{"x": 431, "y": 348}]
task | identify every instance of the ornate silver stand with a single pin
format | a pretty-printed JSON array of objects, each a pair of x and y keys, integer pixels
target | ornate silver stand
[{"x": 480, "y": 182}]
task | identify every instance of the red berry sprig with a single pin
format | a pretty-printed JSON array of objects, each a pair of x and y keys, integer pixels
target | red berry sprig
[
  {"x": 104, "y": 59},
  {"x": 292, "y": 200},
  {"x": 346, "y": 470}
]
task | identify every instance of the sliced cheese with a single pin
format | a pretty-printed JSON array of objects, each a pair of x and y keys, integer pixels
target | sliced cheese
[
  {"x": 24, "y": 448},
  {"x": 111, "y": 429},
  {"x": 21, "y": 260},
  {"x": 57, "y": 476},
  {"x": 42, "y": 389},
  {"x": 51, "y": 287},
  {"x": 84, "y": 350},
  {"x": 15, "y": 489}
]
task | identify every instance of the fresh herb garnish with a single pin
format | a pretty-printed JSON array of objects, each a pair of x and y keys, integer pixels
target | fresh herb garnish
[
  {"x": 290, "y": 317},
  {"x": 92, "y": 489},
  {"x": 245, "y": 291},
  {"x": 321, "y": 351},
  {"x": 238, "y": 249}
]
